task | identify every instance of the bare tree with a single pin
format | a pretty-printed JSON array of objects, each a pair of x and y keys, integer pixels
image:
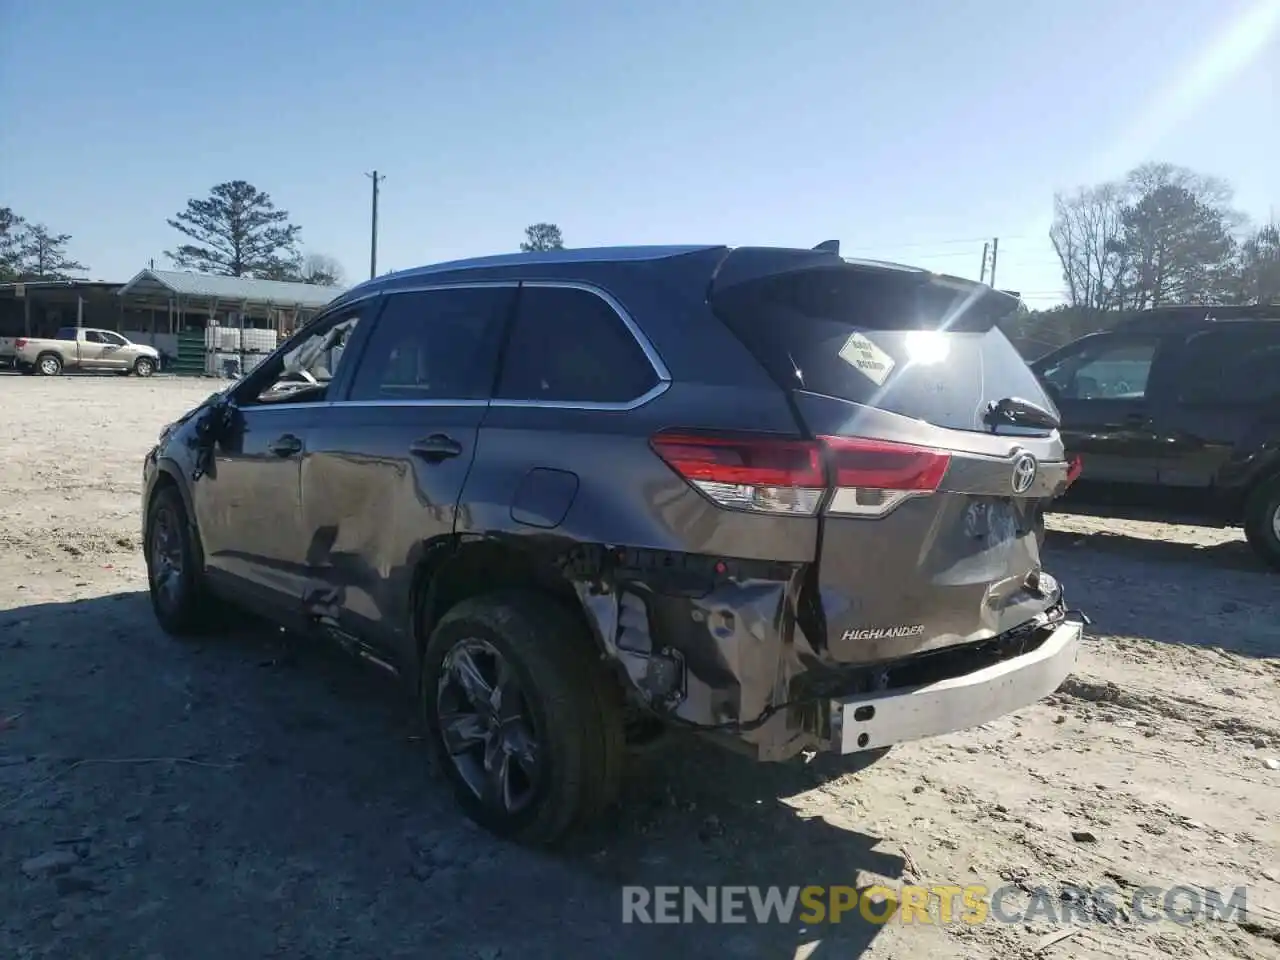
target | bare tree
[
  {"x": 1086, "y": 233},
  {"x": 322, "y": 270},
  {"x": 1259, "y": 267},
  {"x": 1163, "y": 234},
  {"x": 238, "y": 232},
  {"x": 542, "y": 236}
]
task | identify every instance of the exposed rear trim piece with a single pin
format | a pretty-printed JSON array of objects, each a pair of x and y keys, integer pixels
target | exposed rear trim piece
[{"x": 872, "y": 721}]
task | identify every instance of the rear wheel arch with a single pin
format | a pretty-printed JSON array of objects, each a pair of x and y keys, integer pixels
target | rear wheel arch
[{"x": 461, "y": 568}]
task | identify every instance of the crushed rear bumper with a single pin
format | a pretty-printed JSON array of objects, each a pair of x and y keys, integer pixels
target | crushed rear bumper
[{"x": 877, "y": 720}]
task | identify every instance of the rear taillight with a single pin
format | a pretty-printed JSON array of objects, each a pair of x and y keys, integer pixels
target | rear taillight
[
  {"x": 764, "y": 474},
  {"x": 1074, "y": 468},
  {"x": 782, "y": 476},
  {"x": 19, "y": 343},
  {"x": 874, "y": 476}
]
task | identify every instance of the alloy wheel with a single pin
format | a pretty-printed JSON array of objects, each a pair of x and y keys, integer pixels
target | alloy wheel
[
  {"x": 166, "y": 556},
  {"x": 487, "y": 728}
]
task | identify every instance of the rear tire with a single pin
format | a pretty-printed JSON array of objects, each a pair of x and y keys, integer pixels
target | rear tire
[
  {"x": 1262, "y": 521},
  {"x": 549, "y": 757},
  {"x": 49, "y": 365},
  {"x": 175, "y": 574},
  {"x": 144, "y": 367}
]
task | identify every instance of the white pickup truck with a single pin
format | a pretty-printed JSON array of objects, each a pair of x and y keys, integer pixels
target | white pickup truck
[{"x": 83, "y": 348}]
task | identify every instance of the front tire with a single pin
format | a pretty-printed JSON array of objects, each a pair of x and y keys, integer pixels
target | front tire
[
  {"x": 144, "y": 367},
  {"x": 521, "y": 716},
  {"x": 1262, "y": 522},
  {"x": 174, "y": 567}
]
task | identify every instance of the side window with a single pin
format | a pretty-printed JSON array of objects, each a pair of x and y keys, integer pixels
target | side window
[
  {"x": 434, "y": 345},
  {"x": 570, "y": 345},
  {"x": 302, "y": 368},
  {"x": 1114, "y": 371},
  {"x": 93, "y": 336},
  {"x": 1235, "y": 365},
  {"x": 111, "y": 339}
]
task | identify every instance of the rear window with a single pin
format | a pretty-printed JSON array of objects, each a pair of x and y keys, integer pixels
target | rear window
[{"x": 891, "y": 340}]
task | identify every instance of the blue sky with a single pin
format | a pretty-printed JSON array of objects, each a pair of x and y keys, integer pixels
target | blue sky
[{"x": 908, "y": 131}]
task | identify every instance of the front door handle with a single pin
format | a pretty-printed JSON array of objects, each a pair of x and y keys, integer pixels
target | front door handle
[
  {"x": 436, "y": 447},
  {"x": 285, "y": 446}
]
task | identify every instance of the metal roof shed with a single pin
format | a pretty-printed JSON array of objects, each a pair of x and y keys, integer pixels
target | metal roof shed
[{"x": 195, "y": 298}]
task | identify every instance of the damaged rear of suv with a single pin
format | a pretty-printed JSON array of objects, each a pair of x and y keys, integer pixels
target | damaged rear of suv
[{"x": 772, "y": 495}]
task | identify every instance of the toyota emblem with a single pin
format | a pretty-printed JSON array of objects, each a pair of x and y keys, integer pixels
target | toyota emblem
[{"x": 1024, "y": 473}]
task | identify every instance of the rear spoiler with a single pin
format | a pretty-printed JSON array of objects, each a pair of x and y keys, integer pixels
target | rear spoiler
[{"x": 744, "y": 266}]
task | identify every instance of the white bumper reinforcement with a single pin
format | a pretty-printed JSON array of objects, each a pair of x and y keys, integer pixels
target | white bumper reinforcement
[{"x": 869, "y": 721}]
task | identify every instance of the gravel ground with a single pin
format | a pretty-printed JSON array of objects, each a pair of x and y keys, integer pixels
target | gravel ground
[{"x": 256, "y": 796}]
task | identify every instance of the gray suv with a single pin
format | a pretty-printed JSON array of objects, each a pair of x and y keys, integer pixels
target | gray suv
[{"x": 571, "y": 498}]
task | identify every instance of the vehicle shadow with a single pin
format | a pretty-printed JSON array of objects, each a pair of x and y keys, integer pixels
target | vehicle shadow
[
  {"x": 1155, "y": 590},
  {"x": 1232, "y": 555},
  {"x": 273, "y": 794}
]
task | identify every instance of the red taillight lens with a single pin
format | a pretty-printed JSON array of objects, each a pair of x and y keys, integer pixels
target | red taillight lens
[
  {"x": 873, "y": 476},
  {"x": 1074, "y": 468},
  {"x": 777, "y": 475},
  {"x": 19, "y": 343},
  {"x": 881, "y": 465},
  {"x": 762, "y": 474}
]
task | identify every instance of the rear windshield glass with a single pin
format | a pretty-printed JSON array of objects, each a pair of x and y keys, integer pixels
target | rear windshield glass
[{"x": 923, "y": 350}]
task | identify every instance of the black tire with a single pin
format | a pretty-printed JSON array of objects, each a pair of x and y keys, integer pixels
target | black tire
[
  {"x": 573, "y": 708},
  {"x": 144, "y": 366},
  {"x": 1262, "y": 521},
  {"x": 181, "y": 604},
  {"x": 49, "y": 364}
]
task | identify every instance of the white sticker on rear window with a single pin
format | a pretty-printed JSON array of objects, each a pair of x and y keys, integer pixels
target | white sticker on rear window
[{"x": 864, "y": 356}]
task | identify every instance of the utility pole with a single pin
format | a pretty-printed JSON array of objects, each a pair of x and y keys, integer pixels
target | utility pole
[
  {"x": 373, "y": 227},
  {"x": 995, "y": 249},
  {"x": 982, "y": 277}
]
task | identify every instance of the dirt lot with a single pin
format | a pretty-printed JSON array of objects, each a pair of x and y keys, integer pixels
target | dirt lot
[{"x": 257, "y": 797}]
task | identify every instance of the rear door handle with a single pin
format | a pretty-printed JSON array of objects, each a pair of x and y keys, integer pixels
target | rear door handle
[
  {"x": 285, "y": 446},
  {"x": 436, "y": 447}
]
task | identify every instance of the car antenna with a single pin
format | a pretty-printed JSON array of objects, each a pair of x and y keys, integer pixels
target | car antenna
[{"x": 829, "y": 246}]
